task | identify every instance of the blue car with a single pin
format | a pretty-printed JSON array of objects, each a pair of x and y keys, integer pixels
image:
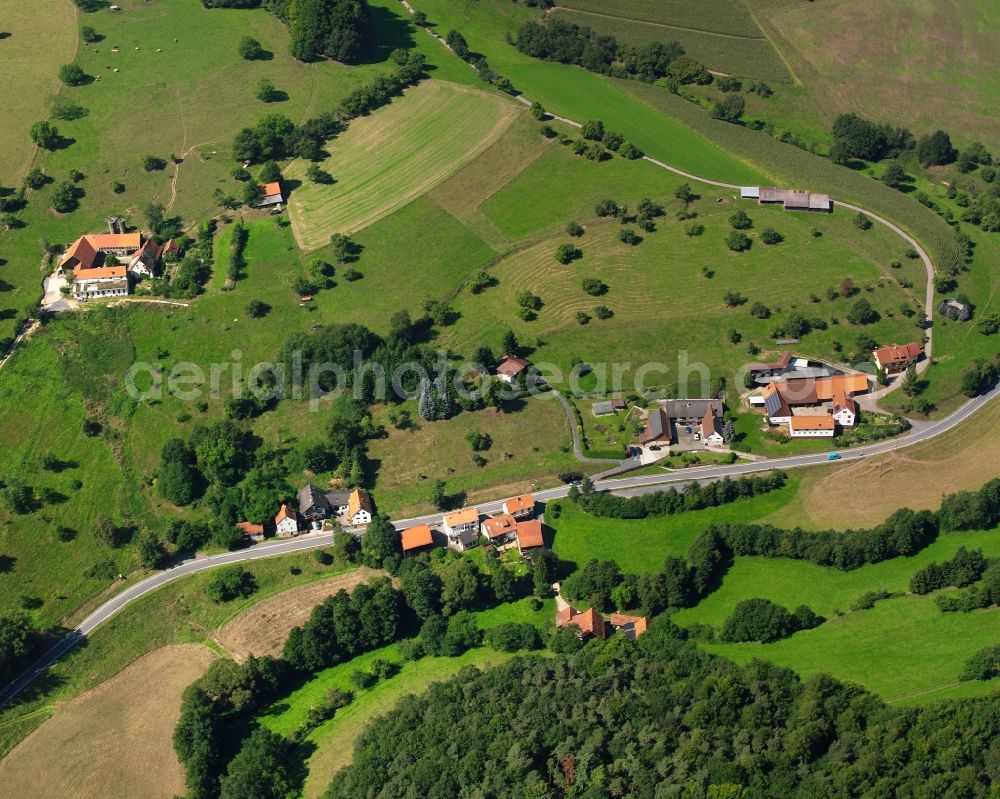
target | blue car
[{"x": 833, "y": 456}]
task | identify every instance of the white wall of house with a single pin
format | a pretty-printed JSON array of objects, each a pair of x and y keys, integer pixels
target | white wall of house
[
  {"x": 844, "y": 417},
  {"x": 811, "y": 433},
  {"x": 361, "y": 517},
  {"x": 287, "y": 527}
]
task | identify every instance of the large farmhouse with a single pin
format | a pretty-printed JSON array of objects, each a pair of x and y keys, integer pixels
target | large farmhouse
[
  {"x": 93, "y": 260},
  {"x": 789, "y": 199},
  {"x": 897, "y": 357},
  {"x": 813, "y": 408}
]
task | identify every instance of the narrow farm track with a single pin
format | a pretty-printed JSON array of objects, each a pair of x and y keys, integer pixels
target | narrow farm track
[{"x": 665, "y": 25}]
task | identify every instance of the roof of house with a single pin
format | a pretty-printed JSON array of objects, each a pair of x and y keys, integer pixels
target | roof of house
[
  {"x": 249, "y": 528},
  {"x": 115, "y": 241},
  {"x": 517, "y": 504},
  {"x": 511, "y": 366},
  {"x": 795, "y": 198},
  {"x": 631, "y": 626},
  {"x": 311, "y": 497},
  {"x": 460, "y": 517},
  {"x": 657, "y": 426},
  {"x": 496, "y": 526},
  {"x": 100, "y": 273},
  {"x": 83, "y": 251},
  {"x": 529, "y": 534},
  {"x": 827, "y": 387},
  {"x": 710, "y": 423},
  {"x": 607, "y": 406},
  {"x": 895, "y": 353},
  {"x": 171, "y": 247},
  {"x": 416, "y": 537},
  {"x": 783, "y": 360},
  {"x": 359, "y": 500},
  {"x": 689, "y": 408},
  {"x": 811, "y": 423},
  {"x": 844, "y": 401},
  {"x": 271, "y": 189},
  {"x": 590, "y": 621},
  {"x": 285, "y": 513},
  {"x": 338, "y": 499},
  {"x": 150, "y": 248}
]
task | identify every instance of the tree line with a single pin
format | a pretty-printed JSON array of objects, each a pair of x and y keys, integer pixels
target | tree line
[
  {"x": 319, "y": 28},
  {"x": 659, "y": 718},
  {"x": 276, "y": 137},
  {"x": 665, "y": 503}
]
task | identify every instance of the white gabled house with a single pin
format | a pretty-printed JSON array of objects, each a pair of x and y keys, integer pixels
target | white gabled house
[{"x": 286, "y": 523}]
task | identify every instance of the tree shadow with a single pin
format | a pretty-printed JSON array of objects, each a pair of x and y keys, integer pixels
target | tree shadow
[
  {"x": 7, "y": 563},
  {"x": 387, "y": 31}
]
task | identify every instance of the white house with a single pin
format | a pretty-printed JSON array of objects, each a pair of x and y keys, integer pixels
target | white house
[
  {"x": 811, "y": 427},
  {"x": 522, "y": 507},
  {"x": 510, "y": 368},
  {"x": 104, "y": 281},
  {"x": 359, "y": 508},
  {"x": 285, "y": 523},
  {"x": 711, "y": 429},
  {"x": 144, "y": 261},
  {"x": 845, "y": 410},
  {"x": 462, "y": 528}
]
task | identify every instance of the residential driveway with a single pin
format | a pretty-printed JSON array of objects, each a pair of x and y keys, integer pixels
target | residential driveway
[{"x": 54, "y": 300}]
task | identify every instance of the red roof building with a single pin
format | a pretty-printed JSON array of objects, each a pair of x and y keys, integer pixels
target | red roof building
[
  {"x": 414, "y": 538},
  {"x": 897, "y": 357}
]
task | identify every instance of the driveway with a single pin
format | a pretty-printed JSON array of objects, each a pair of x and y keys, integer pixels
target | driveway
[{"x": 54, "y": 300}]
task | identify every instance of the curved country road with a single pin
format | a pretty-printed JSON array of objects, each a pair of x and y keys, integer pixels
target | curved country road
[{"x": 625, "y": 485}]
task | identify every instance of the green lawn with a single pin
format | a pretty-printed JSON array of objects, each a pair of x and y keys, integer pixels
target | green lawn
[{"x": 640, "y": 545}]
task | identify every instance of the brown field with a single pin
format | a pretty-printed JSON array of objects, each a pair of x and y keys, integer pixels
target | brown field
[
  {"x": 866, "y": 492},
  {"x": 114, "y": 740},
  {"x": 263, "y": 628},
  {"x": 923, "y": 63}
]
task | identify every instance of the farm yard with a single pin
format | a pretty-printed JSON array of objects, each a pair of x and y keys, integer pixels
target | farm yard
[
  {"x": 387, "y": 159},
  {"x": 721, "y": 34}
]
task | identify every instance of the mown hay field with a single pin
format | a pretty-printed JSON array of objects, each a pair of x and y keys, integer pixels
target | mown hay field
[
  {"x": 37, "y": 42},
  {"x": 392, "y": 156},
  {"x": 113, "y": 741},
  {"x": 735, "y": 54}
]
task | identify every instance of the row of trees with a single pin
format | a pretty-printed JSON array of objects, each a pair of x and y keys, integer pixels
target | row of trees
[
  {"x": 276, "y": 137},
  {"x": 985, "y": 594},
  {"x": 556, "y": 40},
  {"x": 664, "y": 503}
]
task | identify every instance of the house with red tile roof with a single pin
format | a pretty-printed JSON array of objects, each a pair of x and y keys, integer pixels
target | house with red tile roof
[
  {"x": 414, "y": 539},
  {"x": 522, "y": 507},
  {"x": 711, "y": 428},
  {"x": 462, "y": 528},
  {"x": 270, "y": 195},
  {"x": 286, "y": 523},
  {"x": 499, "y": 529},
  {"x": 591, "y": 623},
  {"x": 251, "y": 531},
  {"x": 510, "y": 368},
  {"x": 529, "y": 535},
  {"x": 897, "y": 357}
]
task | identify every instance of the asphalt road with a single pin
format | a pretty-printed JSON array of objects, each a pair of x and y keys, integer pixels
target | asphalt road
[{"x": 626, "y": 486}]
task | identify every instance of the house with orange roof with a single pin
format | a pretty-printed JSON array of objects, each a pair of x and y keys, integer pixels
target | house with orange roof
[
  {"x": 529, "y": 536},
  {"x": 897, "y": 357},
  {"x": 145, "y": 260},
  {"x": 522, "y": 507},
  {"x": 286, "y": 523},
  {"x": 270, "y": 195},
  {"x": 93, "y": 260},
  {"x": 510, "y": 368},
  {"x": 359, "y": 508},
  {"x": 591, "y": 623},
  {"x": 414, "y": 539},
  {"x": 499, "y": 529},
  {"x": 711, "y": 428},
  {"x": 251, "y": 531},
  {"x": 811, "y": 426},
  {"x": 462, "y": 528}
]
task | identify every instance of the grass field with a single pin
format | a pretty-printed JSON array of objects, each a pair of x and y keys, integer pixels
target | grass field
[
  {"x": 665, "y": 308},
  {"x": 726, "y": 17},
  {"x": 530, "y": 444},
  {"x": 114, "y": 740},
  {"x": 842, "y": 53},
  {"x": 746, "y": 53},
  {"x": 640, "y": 545},
  {"x": 387, "y": 159},
  {"x": 37, "y": 43}
]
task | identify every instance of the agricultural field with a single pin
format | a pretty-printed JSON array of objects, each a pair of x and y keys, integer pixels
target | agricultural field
[
  {"x": 115, "y": 740},
  {"x": 725, "y": 38},
  {"x": 666, "y": 293},
  {"x": 387, "y": 159},
  {"x": 915, "y": 477},
  {"x": 841, "y": 52},
  {"x": 30, "y": 55}
]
